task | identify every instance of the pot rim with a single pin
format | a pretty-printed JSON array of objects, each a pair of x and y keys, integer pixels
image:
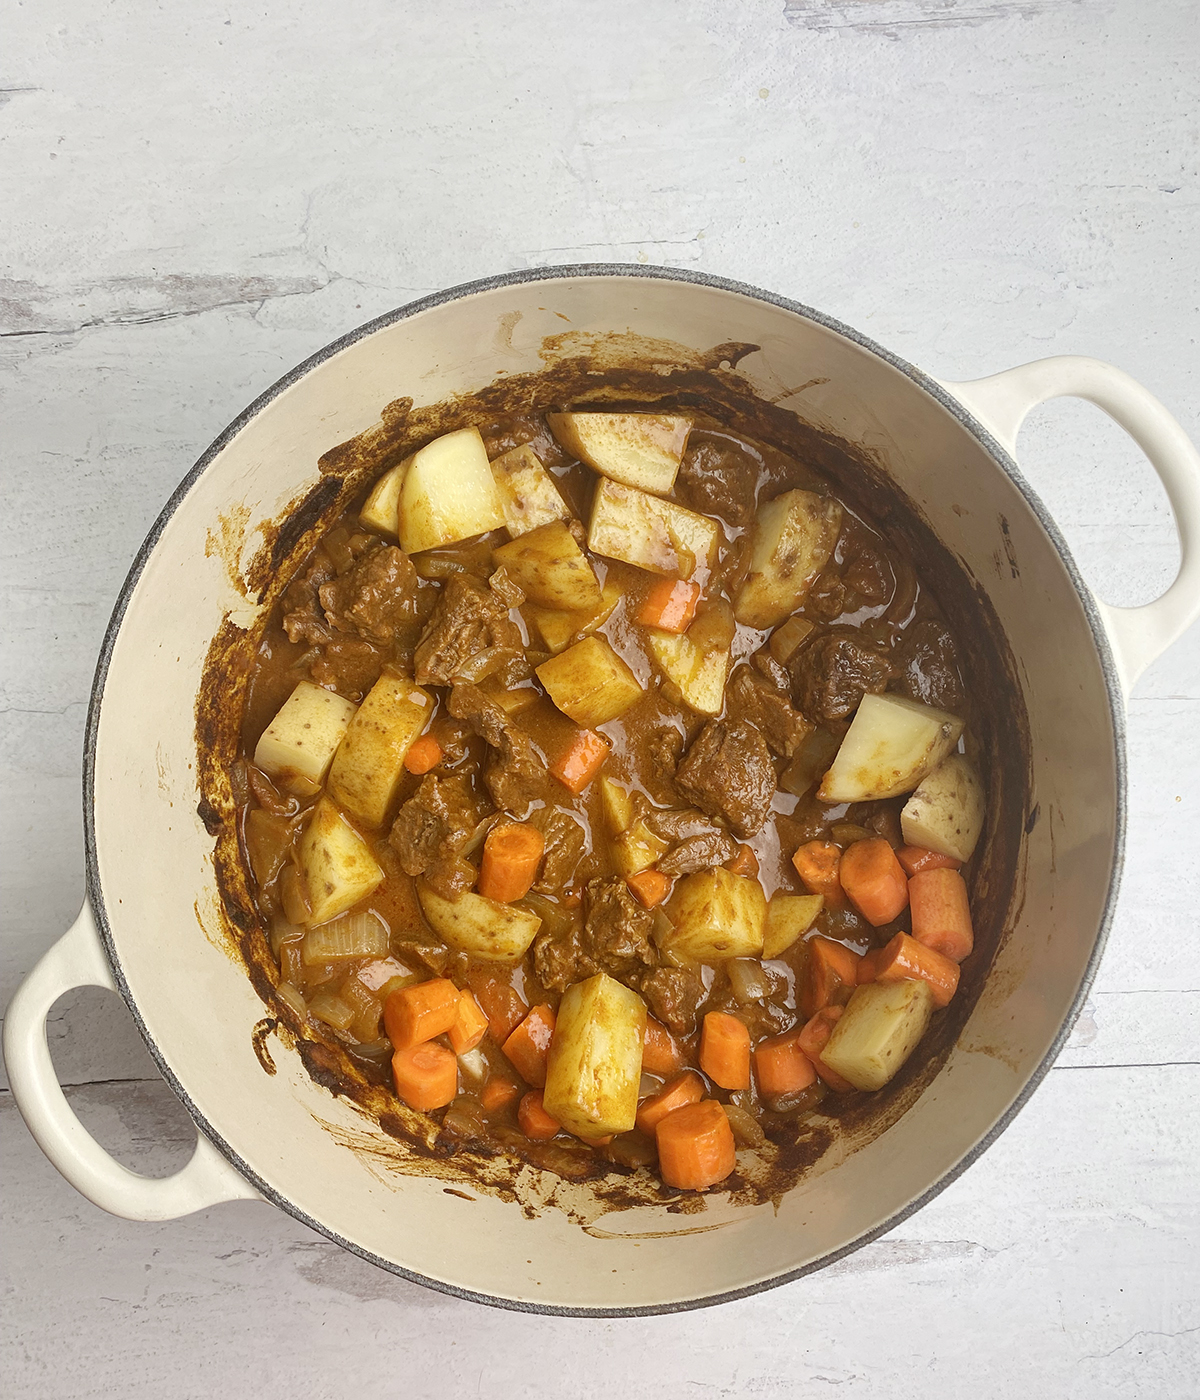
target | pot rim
[{"x": 1002, "y": 458}]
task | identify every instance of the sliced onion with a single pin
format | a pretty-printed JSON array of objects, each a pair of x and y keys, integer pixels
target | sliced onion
[
  {"x": 331, "y": 1009},
  {"x": 484, "y": 663},
  {"x": 294, "y": 999},
  {"x": 376, "y": 974},
  {"x": 283, "y": 931},
  {"x": 746, "y": 1130},
  {"x": 651, "y": 1084},
  {"x": 349, "y": 936},
  {"x": 473, "y": 1066},
  {"x": 748, "y": 980}
]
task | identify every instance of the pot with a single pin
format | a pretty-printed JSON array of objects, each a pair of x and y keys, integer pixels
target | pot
[{"x": 267, "y": 1129}]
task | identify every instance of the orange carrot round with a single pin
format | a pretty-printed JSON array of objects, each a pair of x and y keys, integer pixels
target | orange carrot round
[
  {"x": 581, "y": 760},
  {"x": 528, "y": 1047},
  {"x": 725, "y": 1050},
  {"x": 914, "y": 859},
  {"x": 904, "y": 957},
  {"x": 687, "y": 1088},
  {"x": 816, "y": 863},
  {"x": 535, "y": 1122},
  {"x": 670, "y": 605},
  {"x": 829, "y": 975},
  {"x": 874, "y": 880},
  {"x": 511, "y": 856},
  {"x": 424, "y": 753},
  {"x": 498, "y": 1093},
  {"x": 415, "y": 1014},
  {"x": 650, "y": 887},
  {"x": 500, "y": 1002},
  {"x": 695, "y": 1146},
  {"x": 813, "y": 1038},
  {"x": 781, "y": 1067},
  {"x": 470, "y": 1025},
  {"x": 426, "y": 1076},
  {"x": 660, "y": 1051},
  {"x": 941, "y": 912}
]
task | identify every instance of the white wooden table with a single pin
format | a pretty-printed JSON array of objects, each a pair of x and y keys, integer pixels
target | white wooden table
[{"x": 198, "y": 196}]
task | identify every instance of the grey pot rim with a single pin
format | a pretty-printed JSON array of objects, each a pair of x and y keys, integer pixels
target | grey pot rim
[{"x": 1003, "y": 460}]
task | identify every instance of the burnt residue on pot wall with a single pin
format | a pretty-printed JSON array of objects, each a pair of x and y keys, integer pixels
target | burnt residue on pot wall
[{"x": 611, "y": 371}]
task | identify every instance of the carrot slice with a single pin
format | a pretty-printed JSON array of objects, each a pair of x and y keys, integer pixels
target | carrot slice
[
  {"x": 686, "y": 1088},
  {"x": 582, "y": 760},
  {"x": 498, "y": 1093},
  {"x": 781, "y": 1067},
  {"x": 412, "y": 1015},
  {"x": 868, "y": 965},
  {"x": 941, "y": 912},
  {"x": 511, "y": 856},
  {"x": 660, "y": 1052},
  {"x": 424, "y": 753},
  {"x": 695, "y": 1146},
  {"x": 874, "y": 880},
  {"x": 670, "y": 605},
  {"x": 830, "y": 974},
  {"x": 916, "y": 858},
  {"x": 816, "y": 863},
  {"x": 725, "y": 1050},
  {"x": 529, "y": 1045},
  {"x": 501, "y": 1004},
  {"x": 744, "y": 863},
  {"x": 904, "y": 957},
  {"x": 813, "y": 1038},
  {"x": 470, "y": 1025},
  {"x": 426, "y": 1075},
  {"x": 650, "y": 886},
  {"x": 535, "y": 1122}
]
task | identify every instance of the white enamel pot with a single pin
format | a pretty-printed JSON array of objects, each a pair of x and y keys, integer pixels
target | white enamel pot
[{"x": 150, "y": 873}]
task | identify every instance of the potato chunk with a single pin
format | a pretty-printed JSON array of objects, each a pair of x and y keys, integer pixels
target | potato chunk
[
  {"x": 717, "y": 915},
  {"x": 338, "y": 866},
  {"x": 636, "y": 449},
  {"x": 382, "y": 510},
  {"x": 369, "y": 763},
  {"x": 550, "y": 569},
  {"x": 789, "y": 917},
  {"x": 528, "y": 495},
  {"x": 697, "y": 663},
  {"x": 636, "y": 849},
  {"x": 650, "y": 533},
  {"x": 448, "y": 493},
  {"x": 878, "y": 1031},
  {"x": 946, "y": 812},
  {"x": 590, "y": 683},
  {"x": 558, "y": 629},
  {"x": 482, "y": 927},
  {"x": 298, "y": 745},
  {"x": 595, "y": 1064},
  {"x": 892, "y": 744},
  {"x": 794, "y": 536}
]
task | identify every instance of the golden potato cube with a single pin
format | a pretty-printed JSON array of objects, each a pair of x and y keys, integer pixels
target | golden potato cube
[
  {"x": 448, "y": 493},
  {"x": 892, "y": 744},
  {"x": 558, "y": 629},
  {"x": 717, "y": 915},
  {"x": 698, "y": 676},
  {"x": 651, "y": 533},
  {"x": 369, "y": 763},
  {"x": 300, "y": 742},
  {"x": 636, "y": 449},
  {"x": 528, "y": 495},
  {"x": 637, "y": 849},
  {"x": 482, "y": 927},
  {"x": 617, "y": 806},
  {"x": 382, "y": 509},
  {"x": 590, "y": 683},
  {"x": 880, "y": 1028},
  {"x": 595, "y": 1064},
  {"x": 550, "y": 569},
  {"x": 946, "y": 812},
  {"x": 794, "y": 535},
  {"x": 789, "y": 917},
  {"x": 338, "y": 866}
]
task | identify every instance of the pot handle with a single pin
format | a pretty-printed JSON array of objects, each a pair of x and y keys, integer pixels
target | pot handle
[
  {"x": 1001, "y": 402},
  {"x": 78, "y": 960}
]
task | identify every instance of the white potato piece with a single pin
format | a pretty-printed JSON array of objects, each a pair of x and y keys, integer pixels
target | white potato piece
[
  {"x": 482, "y": 927},
  {"x": 448, "y": 493},
  {"x": 617, "y": 806},
  {"x": 550, "y": 569},
  {"x": 382, "y": 510},
  {"x": 369, "y": 763},
  {"x": 892, "y": 744},
  {"x": 637, "y": 849},
  {"x": 878, "y": 1031},
  {"x": 338, "y": 866},
  {"x": 595, "y": 1062},
  {"x": 946, "y": 812},
  {"x": 528, "y": 495},
  {"x": 650, "y": 533},
  {"x": 558, "y": 629},
  {"x": 794, "y": 536},
  {"x": 300, "y": 742},
  {"x": 636, "y": 449},
  {"x": 590, "y": 683},
  {"x": 717, "y": 915},
  {"x": 789, "y": 917},
  {"x": 698, "y": 676}
]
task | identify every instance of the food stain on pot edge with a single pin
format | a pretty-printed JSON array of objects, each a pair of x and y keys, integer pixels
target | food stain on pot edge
[{"x": 613, "y": 371}]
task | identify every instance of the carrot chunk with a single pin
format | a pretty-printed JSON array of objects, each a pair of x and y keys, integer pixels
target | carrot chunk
[
  {"x": 916, "y": 858},
  {"x": 744, "y": 863},
  {"x": 660, "y": 1052},
  {"x": 424, "y": 753},
  {"x": 498, "y": 1093},
  {"x": 695, "y": 1146},
  {"x": 670, "y": 605},
  {"x": 905, "y": 957},
  {"x": 581, "y": 761},
  {"x": 941, "y": 912},
  {"x": 725, "y": 1050},
  {"x": 650, "y": 886},
  {"x": 813, "y": 1038},
  {"x": 874, "y": 880},
  {"x": 412, "y": 1015},
  {"x": 511, "y": 856},
  {"x": 830, "y": 974},
  {"x": 529, "y": 1045},
  {"x": 535, "y": 1122},
  {"x": 686, "y": 1088},
  {"x": 816, "y": 863},
  {"x": 426, "y": 1075},
  {"x": 781, "y": 1067},
  {"x": 868, "y": 965},
  {"x": 501, "y": 1004},
  {"x": 470, "y": 1025}
]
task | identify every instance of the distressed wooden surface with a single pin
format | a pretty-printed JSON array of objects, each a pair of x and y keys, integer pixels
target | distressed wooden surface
[{"x": 196, "y": 198}]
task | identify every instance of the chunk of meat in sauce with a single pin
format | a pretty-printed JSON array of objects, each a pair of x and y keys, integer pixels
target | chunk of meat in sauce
[
  {"x": 728, "y": 773},
  {"x": 718, "y": 478},
  {"x": 929, "y": 667},
  {"x": 514, "y": 775},
  {"x": 616, "y": 929},
  {"x": 376, "y": 599},
  {"x": 430, "y": 830},
  {"x": 751, "y": 696},
  {"x": 469, "y": 618},
  {"x": 673, "y": 996},
  {"x": 831, "y": 675},
  {"x": 560, "y": 960},
  {"x": 347, "y": 665},
  {"x": 699, "y": 852},
  {"x": 565, "y": 845}
]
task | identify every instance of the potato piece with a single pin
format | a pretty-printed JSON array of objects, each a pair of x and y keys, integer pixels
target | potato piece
[
  {"x": 789, "y": 917},
  {"x": 794, "y": 536},
  {"x": 590, "y": 683},
  {"x": 382, "y": 510},
  {"x": 448, "y": 493},
  {"x": 946, "y": 812},
  {"x": 637, "y": 849},
  {"x": 369, "y": 763},
  {"x": 699, "y": 677},
  {"x": 595, "y": 1063},
  {"x": 892, "y": 744},
  {"x": 878, "y": 1031},
  {"x": 528, "y": 495},
  {"x": 482, "y": 927},
  {"x": 338, "y": 866},
  {"x": 550, "y": 569},
  {"x": 636, "y": 449},
  {"x": 301, "y": 740},
  {"x": 618, "y": 808},
  {"x": 650, "y": 533},
  {"x": 559, "y": 629},
  {"x": 717, "y": 915}
]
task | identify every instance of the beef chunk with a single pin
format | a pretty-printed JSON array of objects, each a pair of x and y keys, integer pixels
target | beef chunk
[
  {"x": 930, "y": 667},
  {"x": 560, "y": 960},
  {"x": 699, "y": 852},
  {"x": 718, "y": 478},
  {"x": 751, "y": 696},
  {"x": 616, "y": 929},
  {"x": 515, "y": 775},
  {"x": 303, "y": 616},
  {"x": 468, "y": 619},
  {"x": 832, "y": 674},
  {"x": 728, "y": 773},
  {"x": 565, "y": 845},
  {"x": 430, "y": 830},
  {"x": 347, "y": 665},
  {"x": 376, "y": 599},
  {"x": 673, "y": 996}
]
